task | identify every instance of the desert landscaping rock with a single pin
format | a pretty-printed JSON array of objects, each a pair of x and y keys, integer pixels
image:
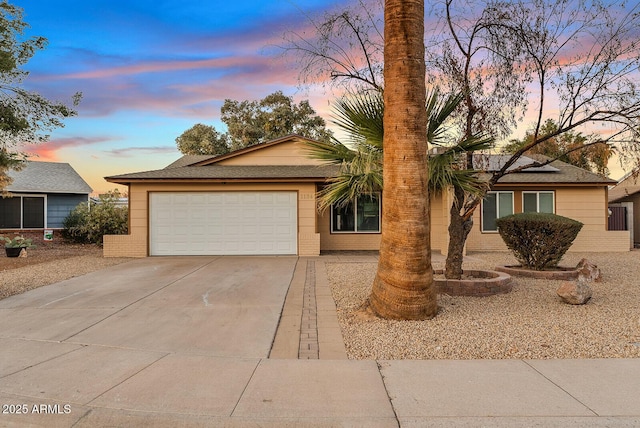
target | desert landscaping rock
[
  {"x": 575, "y": 292},
  {"x": 588, "y": 272},
  {"x": 530, "y": 322}
]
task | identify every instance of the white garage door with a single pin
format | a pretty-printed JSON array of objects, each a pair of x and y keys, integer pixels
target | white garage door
[{"x": 222, "y": 223}]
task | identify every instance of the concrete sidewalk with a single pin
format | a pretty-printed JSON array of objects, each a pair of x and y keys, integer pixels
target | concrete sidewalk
[{"x": 191, "y": 345}]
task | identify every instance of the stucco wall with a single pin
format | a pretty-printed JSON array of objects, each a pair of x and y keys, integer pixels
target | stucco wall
[
  {"x": 286, "y": 153},
  {"x": 136, "y": 244},
  {"x": 585, "y": 204},
  {"x": 371, "y": 241}
]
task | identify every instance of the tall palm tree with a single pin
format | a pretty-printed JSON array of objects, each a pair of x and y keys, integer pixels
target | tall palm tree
[{"x": 403, "y": 287}]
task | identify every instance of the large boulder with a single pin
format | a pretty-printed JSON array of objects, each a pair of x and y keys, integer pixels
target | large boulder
[
  {"x": 588, "y": 272},
  {"x": 575, "y": 292}
]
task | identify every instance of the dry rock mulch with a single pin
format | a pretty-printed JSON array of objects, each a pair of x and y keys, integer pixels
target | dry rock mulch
[
  {"x": 48, "y": 263},
  {"x": 530, "y": 322}
]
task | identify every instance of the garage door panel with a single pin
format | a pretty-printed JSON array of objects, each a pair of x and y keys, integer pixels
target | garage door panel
[{"x": 219, "y": 223}]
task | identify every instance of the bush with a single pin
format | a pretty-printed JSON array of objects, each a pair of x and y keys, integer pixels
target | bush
[
  {"x": 89, "y": 222},
  {"x": 538, "y": 240}
]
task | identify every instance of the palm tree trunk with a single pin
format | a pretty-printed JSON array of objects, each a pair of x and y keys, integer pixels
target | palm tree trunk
[{"x": 403, "y": 287}]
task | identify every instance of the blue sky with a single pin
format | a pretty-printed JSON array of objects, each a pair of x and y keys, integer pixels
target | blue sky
[{"x": 150, "y": 69}]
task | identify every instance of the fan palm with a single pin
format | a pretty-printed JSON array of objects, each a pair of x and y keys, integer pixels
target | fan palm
[{"x": 360, "y": 118}]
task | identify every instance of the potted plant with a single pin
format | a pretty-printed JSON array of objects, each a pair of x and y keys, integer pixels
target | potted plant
[{"x": 13, "y": 246}]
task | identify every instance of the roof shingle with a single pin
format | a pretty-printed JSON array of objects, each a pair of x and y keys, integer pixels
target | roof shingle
[
  {"x": 47, "y": 177},
  {"x": 231, "y": 172}
]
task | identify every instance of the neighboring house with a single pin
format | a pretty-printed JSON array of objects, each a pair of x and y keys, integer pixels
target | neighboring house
[
  {"x": 43, "y": 194},
  {"x": 624, "y": 204},
  {"x": 263, "y": 199}
]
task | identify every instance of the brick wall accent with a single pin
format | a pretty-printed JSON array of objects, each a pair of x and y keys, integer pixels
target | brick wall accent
[
  {"x": 124, "y": 246},
  {"x": 309, "y": 244}
]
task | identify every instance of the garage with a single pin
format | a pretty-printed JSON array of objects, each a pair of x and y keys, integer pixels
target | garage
[{"x": 223, "y": 223}]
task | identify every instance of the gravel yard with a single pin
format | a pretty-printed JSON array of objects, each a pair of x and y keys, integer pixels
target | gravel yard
[
  {"x": 530, "y": 322},
  {"x": 48, "y": 263}
]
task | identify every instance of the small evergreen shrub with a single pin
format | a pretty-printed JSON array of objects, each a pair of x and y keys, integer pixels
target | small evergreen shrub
[
  {"x": 89, "y": 222},
  {"x": 538, "y": 240}
]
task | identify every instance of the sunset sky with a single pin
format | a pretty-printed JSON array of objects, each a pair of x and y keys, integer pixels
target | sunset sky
[{"x": 150, "y": 69}]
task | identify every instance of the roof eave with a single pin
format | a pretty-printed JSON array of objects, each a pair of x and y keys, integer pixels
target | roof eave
[
  {"x": 552, "y": 184},
  {"x": 127, "y": 181},
  {"x": 66, "y": 192}
]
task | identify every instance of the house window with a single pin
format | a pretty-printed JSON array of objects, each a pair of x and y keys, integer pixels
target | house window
[
  {"x": 538, "y": 202},
  {"x": 22, "y": 212},
  {"x": 363, "y": 216},
  {"x": 494, "y": 206}
]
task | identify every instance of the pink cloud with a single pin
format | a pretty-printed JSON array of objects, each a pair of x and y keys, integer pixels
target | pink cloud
[
  {"x": 163, "y": 66},
  {"x": 48, "y": 151}
]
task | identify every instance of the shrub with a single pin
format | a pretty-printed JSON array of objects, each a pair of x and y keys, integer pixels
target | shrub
[
  {"x": 538, "y": 240},
  {"x": 89, "y": 222}
]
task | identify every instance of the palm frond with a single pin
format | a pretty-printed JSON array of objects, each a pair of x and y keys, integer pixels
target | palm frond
[
  {"x": 334, "y": 152},
  {"x": 360, "y": 117},
  {"x": 443, "y": 176},
  {"x": 438, "y": 112},
  {"x": 361, "y": 176},
  {"x": 445, "y": 170},
  {"x": 474, "y": 143}
]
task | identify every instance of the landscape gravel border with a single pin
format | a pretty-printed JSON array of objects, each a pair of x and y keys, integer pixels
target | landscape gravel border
[
  {"x": 531, "y": 322},
  {"x": 70, "y": 262}
]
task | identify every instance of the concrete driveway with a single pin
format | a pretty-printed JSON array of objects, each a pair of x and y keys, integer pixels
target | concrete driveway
[
  {"x": 214, "y": 306},
  {"x": 196, "y": 327}
]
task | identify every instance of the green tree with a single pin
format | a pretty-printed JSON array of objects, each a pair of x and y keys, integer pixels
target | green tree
[
  {"x": 254, "y": 122},
  {"x": 202, "y": 140},
  {"x": 89, "y": 222},
  {"x": 26, "y": 117},
  {"x": 587, "y": 152},
  {"x": 276, "y": 115}
]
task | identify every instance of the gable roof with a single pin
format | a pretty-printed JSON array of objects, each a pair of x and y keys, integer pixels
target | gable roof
[
  {"x": 187, "y": 160},
  {"x": 255, "y": 147},
  {"x": 211, "y": 168},
  {"x": 629, "y": 185},
  {"x": 47, "y": 177}
]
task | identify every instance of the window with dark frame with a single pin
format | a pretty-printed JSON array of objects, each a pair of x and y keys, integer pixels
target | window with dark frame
[
  {"x": 538, "y": 202},
  {"x": 363, "y": 216},
  {"x": 494, "y": 206},
  {"x": 22, "y": 212}
]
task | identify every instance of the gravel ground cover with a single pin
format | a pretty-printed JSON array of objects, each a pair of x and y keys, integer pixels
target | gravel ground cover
[
  {"x": 48, "y": 263},
  {"x": 530, "y": 322}
]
